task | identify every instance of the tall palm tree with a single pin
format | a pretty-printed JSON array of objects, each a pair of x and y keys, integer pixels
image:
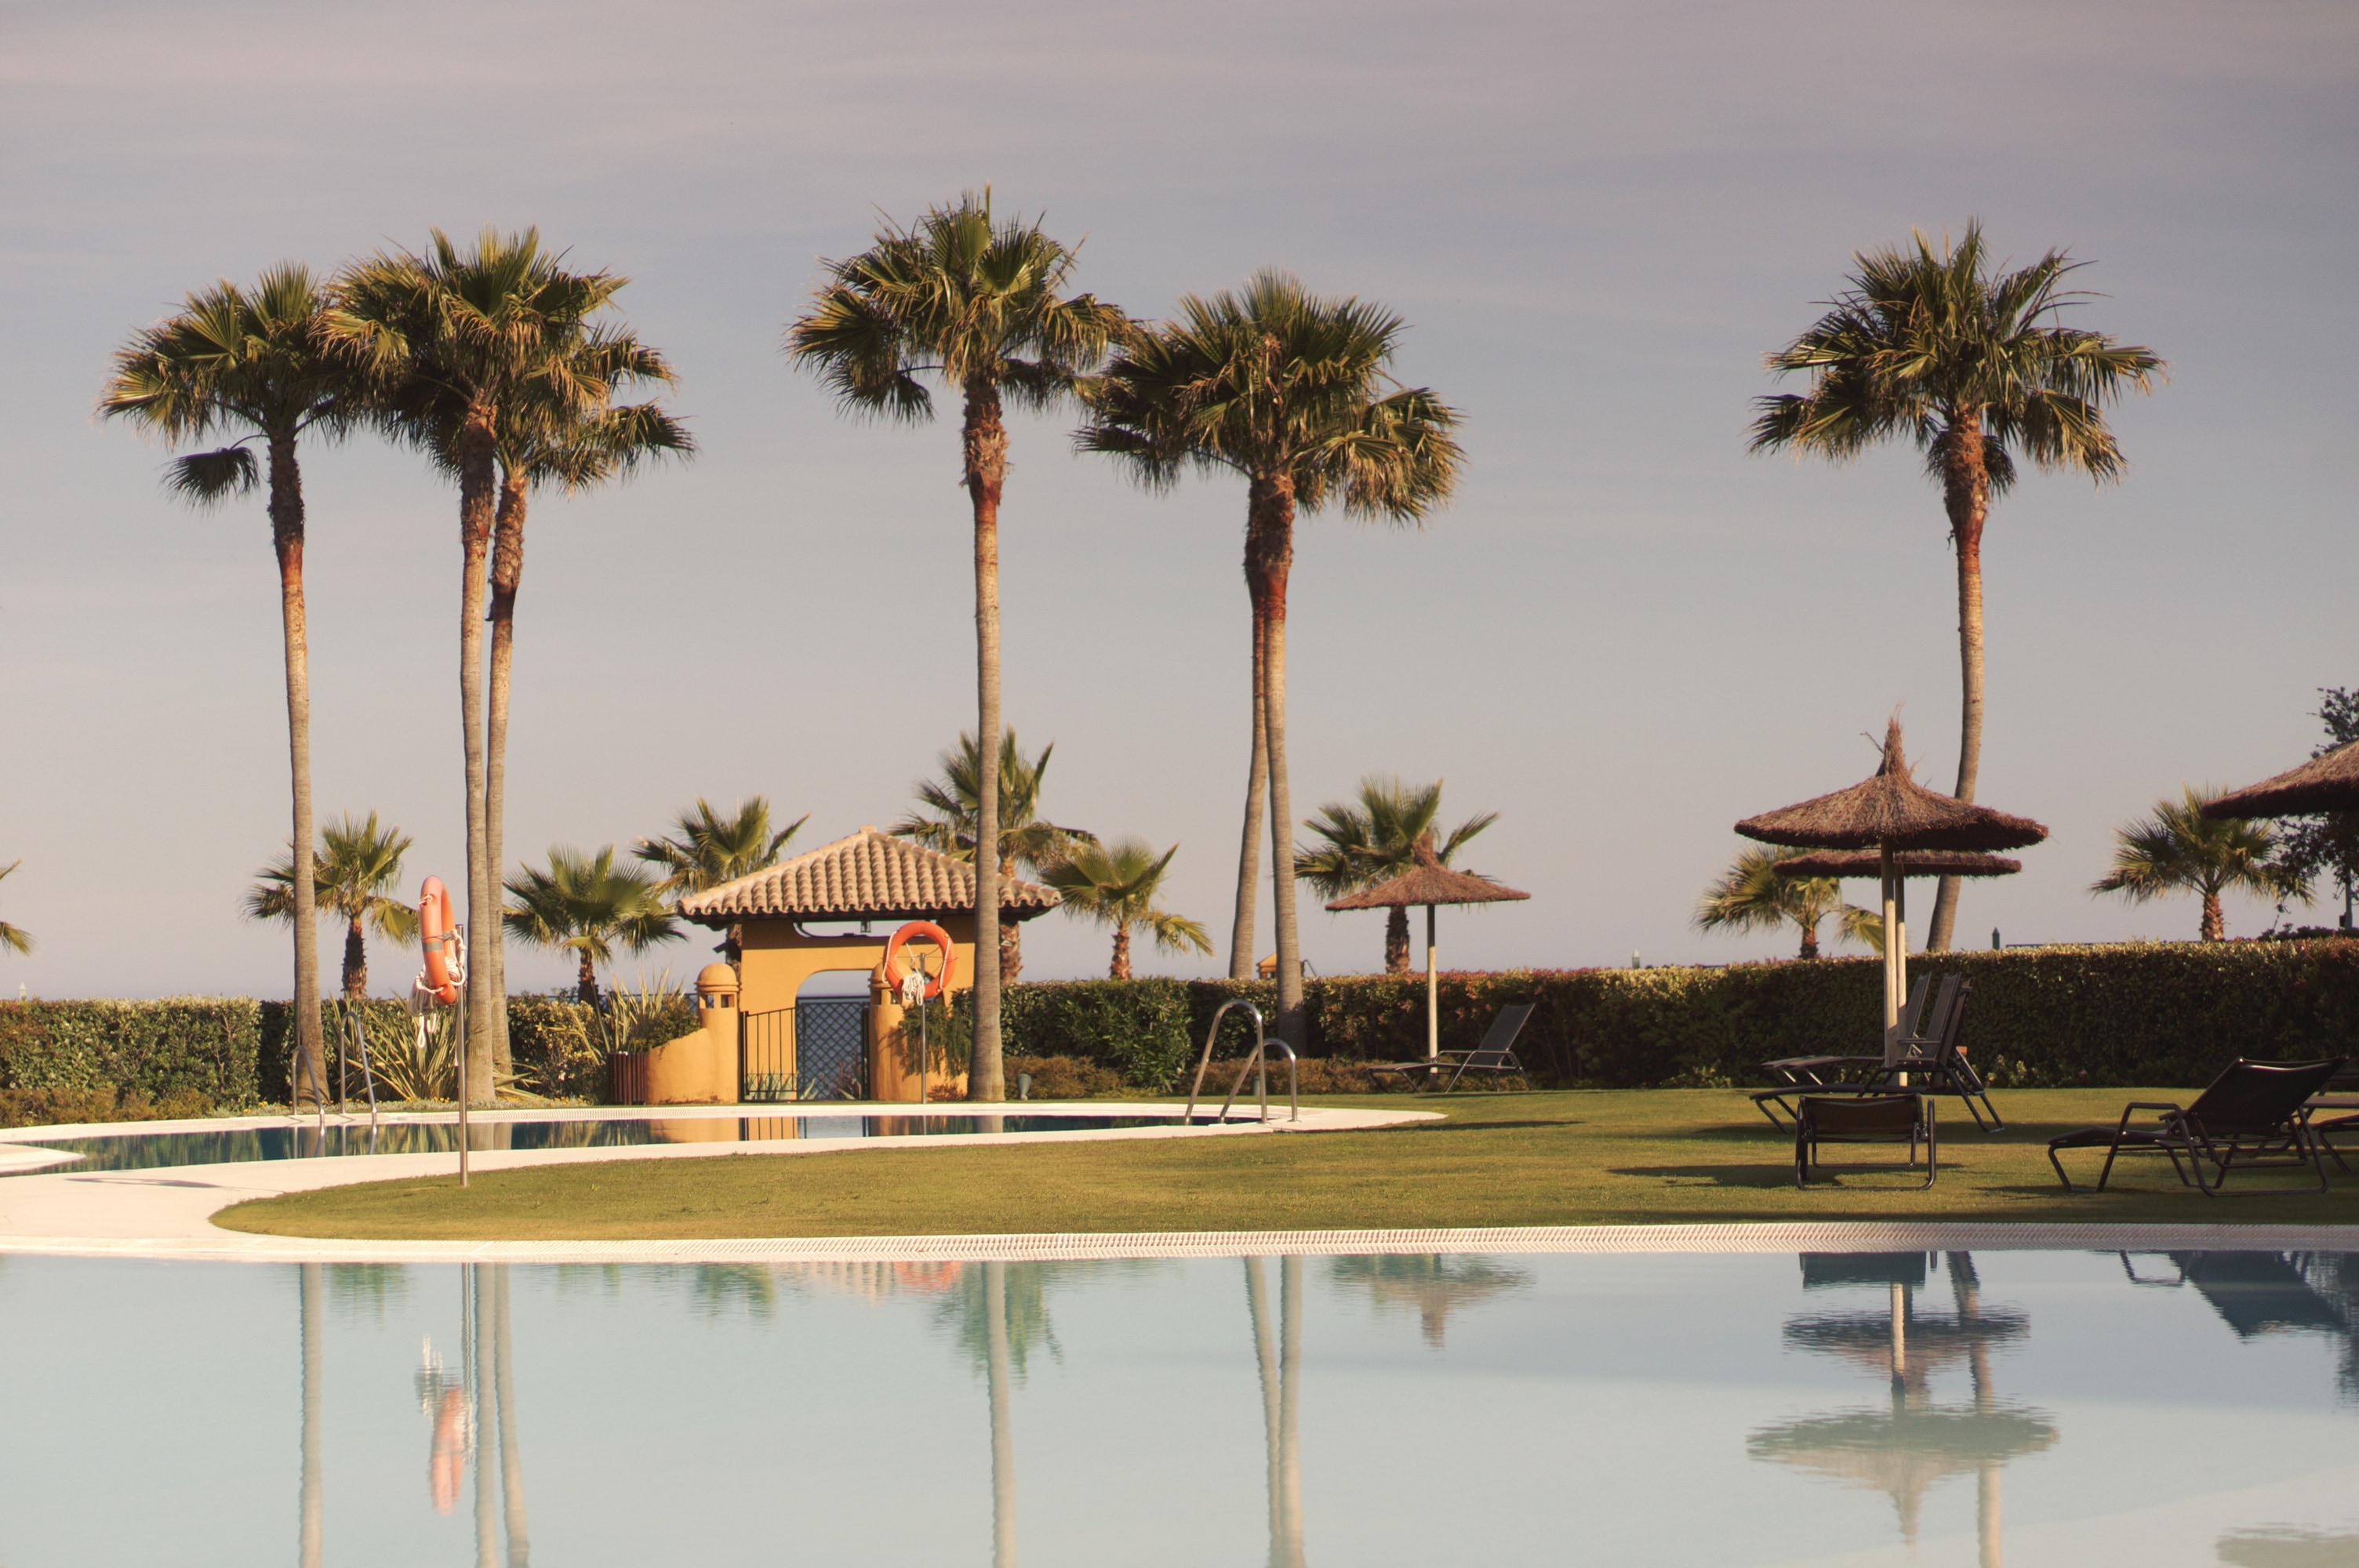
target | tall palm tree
[
  {"x": 707, "y": 849},
  {"x": 252, "y": 363},
  {"x": 1288, "y": 389},
  {"x": 1365, "y": 841},
  {"x": 949, "y": 805},
  {"x": 355, "y": 866},
  {"x": 1751, "y": 896},
  {"x": 2178, "y": 850},
  {"x": 979, "y": 303},
  {"x": 543, "y": 439},
  {"x": 585, "y": 904},
  {"x": 1116, "y": 884},
  {"x": 16, "y": 939},
  {"x": 1974, "y": 366},
  {"x": 489, "y": 330}
]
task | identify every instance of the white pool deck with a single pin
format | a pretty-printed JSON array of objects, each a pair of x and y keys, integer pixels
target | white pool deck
[{"x": 167, "y": 1214}]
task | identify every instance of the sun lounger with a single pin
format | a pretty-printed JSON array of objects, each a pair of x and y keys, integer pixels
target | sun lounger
[
  {"x": 1814, "y": 1072},
  {"x": 1496, "y": 1054},
  {"x": 1914, "y": 1055},
  {"x": 1937, "y": 1065},
  {"x": 1863, "y": 1119},
  {"x": 2254, "y": 1115}
]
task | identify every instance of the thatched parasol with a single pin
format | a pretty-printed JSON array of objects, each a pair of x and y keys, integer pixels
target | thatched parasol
[
  {"x": 1428, "y": 882},
  {"x": 2330, "y": 783},
  {"x": 1892, "y": 813},
  {"x": 1918, "y": 863}
]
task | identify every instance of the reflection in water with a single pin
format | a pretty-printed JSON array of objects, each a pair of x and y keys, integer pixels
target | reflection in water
[
  {"x": 2258, "y": 1293},
  {"x": 2288, "y": 1549},
  {"x": 307, "y": 1529},
  {"x": 1432, "y": 1286},
  {"x": 1282, "y": 1403},
  {"x": 1905, "y": 1449}
]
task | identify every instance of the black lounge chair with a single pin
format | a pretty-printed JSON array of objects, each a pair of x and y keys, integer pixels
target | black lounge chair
[
  {"x": 1496, "y": 1054},
  {"x": 2254, "y": 1115},
  {"x": 1819, "y": 1072},
  {"x": 1863, "y": 1119},
  {"x": 1930, "y": 1062}
]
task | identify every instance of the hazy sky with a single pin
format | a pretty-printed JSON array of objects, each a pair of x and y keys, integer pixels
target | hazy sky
[{"x": 1626, "y": 634}]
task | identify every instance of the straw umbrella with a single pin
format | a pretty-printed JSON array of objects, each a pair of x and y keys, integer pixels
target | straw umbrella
[
  {"x": 2325, "y": 784},
  {"x": 1428, "y": 882},
  {"x": 1892, "y": 813}
]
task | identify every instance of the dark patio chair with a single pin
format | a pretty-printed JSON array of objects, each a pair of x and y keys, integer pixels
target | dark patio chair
[
  {"x": 1935, "y": 1064},
  {"x": 1863, "y": 1119},
  {"x": 1816, "y": 1072},
  {"x": 1914, "y": 1054},
  {"x": 2254, "y": 1116},
  {"x": 1495, "y": 1055}
]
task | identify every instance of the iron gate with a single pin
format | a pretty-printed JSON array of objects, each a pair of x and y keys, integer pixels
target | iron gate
[{"x": 813, "y": 1050}]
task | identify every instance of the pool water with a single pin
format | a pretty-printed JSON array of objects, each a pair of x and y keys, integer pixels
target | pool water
[
  {"x": 150, "y": 1151},
  {"x": 2196, "y": 1408}
]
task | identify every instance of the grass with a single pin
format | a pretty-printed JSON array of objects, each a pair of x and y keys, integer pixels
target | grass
[{"x": 1561, "y": 1158}]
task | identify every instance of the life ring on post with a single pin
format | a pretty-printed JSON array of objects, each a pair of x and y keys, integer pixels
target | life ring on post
[
  {"x": 434, "y": 935},
  {"x": 935, "y": 984}
]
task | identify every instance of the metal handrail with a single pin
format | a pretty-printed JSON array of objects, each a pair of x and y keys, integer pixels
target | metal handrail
[{"x": 1258, "y": 1058}]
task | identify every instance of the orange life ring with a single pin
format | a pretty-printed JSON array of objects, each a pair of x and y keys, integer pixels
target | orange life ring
[
  {"x": 433, "y": 935},
  {"x": 935, "y": 985}
]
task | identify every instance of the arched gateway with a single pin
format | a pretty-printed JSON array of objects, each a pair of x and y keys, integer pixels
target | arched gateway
[{"x": 879, "y": 882}]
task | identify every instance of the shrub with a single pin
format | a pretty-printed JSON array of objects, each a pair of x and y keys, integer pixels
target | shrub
[
  {"x": 1138, "y": 1028},
  {"x": 201, "y": 1046},
  {"x": 47, "y": 1108},
  {"x": 1063, "y": 1077}
]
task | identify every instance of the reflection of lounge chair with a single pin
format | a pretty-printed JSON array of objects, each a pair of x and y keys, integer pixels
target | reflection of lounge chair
[
  {"x": 2253, "y": 1115},
  {"x": 1496, "y": 1054},
  {"x": 1861, "y": 1119}
]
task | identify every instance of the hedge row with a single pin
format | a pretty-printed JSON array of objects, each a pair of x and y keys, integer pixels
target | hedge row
[
  {"x": 2157, "y": 1013},
  {"x": 183, "y": 1049}
]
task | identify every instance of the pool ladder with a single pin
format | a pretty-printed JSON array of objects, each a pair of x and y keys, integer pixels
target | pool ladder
[{"x": 1259, "y": 1060}]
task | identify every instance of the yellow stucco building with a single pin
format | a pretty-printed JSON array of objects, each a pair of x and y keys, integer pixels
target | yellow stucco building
[{"x": 880, "y": 882}]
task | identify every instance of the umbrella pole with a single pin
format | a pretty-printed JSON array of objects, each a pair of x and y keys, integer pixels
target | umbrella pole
[
  {"x": 1896, "y": 950},
  {"x": 1432, "y": 994}
]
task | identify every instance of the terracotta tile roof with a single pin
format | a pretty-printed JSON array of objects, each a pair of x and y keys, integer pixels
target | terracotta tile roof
[{"x": 870, "y": 875}]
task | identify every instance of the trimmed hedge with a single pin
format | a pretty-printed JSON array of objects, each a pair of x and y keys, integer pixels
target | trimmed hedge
[
  {"x": 2144, "y": 1013},
  {"x": 183, "y": 1049}
]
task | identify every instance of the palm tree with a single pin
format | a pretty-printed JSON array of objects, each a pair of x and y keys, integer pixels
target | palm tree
[
  {"x": 1114, "y": 884},
  {"x": 1751, "y": 896},
  {"x": 949, "y": 806},
  {"x": 355, "y": 864},
  {"x": 1973, "y": 367},
  {"x": 1364, "y": 842},
  {"x": 16, "y": 939},
  {"x": 2178, "y": 850},
  {"x": 582, "y": 902},
  {"x": 708, "y": 848},
  {"x": 543, "y": 439},
  {"x": 979, "y": 303},
  {"x": 1288, "y": 389},
  {"x": 491, "y": 332},
  {"x": 253, "y": 363}
]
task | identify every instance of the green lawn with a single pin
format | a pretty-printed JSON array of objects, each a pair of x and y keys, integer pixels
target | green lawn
[{"x": 1566, "y": 1158}]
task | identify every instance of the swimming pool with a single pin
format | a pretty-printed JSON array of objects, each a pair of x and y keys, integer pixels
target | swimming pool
[
  {"x": 2084, "y": 1407},
  {"x": 307, "y": 1140}
]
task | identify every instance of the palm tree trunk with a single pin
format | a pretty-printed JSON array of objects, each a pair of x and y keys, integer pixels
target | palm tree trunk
[
  {"x": 477, "y": 461},
  {"x": 1810, "y": 939},
  {"x": 507, "y": 572},
  {"x": 1965, "y": 495},
  {"x": 1120, "y": 968},
  {"x": 355, "y": 962},
  {"x": 1397, "y": 941},
  {"x": 1241, "y": 930},
  {"x": 287, "y": 543},
  {"x": 1273, "y": 499},
  {"x": 2215, "y": 928},
  {"x": 985, "y": 451},
  {"x": 585, "y": 979}
]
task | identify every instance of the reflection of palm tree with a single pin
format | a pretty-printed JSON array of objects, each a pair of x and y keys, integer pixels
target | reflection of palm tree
[
  {"x": 1905, "y": 1449},
  {"x": 1003, "y": 1437},
  {"x": 1433, "y": 1286},
  {"x": 485, "y": 1418},
  {"x": 511, "y": 1458},
  {"x": 1282, "y": 1403},
  {"x": 308, "y": 1529}
]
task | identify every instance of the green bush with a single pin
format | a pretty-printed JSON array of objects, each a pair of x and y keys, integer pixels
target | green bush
[{"x": 172, "y": 1049}]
